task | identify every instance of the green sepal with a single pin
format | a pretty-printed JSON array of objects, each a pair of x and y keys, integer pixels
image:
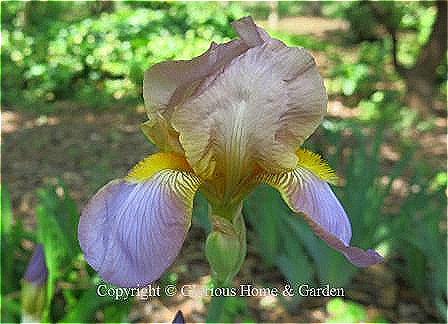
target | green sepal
[
  {"x": 225, "y": 248},
  {"x": 34, "y": 298}
]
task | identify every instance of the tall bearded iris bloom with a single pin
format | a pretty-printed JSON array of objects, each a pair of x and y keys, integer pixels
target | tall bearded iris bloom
[{"x": 226, "y": 121}]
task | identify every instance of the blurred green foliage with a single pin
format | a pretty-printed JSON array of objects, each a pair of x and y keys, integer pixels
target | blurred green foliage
[
  {"x": 100, "y": 58},
  {"x": 341, "y": 311},
  {"x": 57, "y": 216},
  {"x": 12, "y": 269},
  {"x": 418, "y": 235},
  {"x": 417, "y": 17}
]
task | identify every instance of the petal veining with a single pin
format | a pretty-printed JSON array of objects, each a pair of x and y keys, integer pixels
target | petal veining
[
  {"x": 255, "y": 87},
  {"x": 167, "y": 83},
  {"x": 245, "y": 110},
  {"x": 131, "y": 232},
  {"x": 306, "y": 193}
]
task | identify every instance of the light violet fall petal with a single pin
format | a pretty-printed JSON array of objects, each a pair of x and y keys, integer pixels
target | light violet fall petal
[
  {"x": 131, "y": 232},
  {"x": 305, "y": 193}
]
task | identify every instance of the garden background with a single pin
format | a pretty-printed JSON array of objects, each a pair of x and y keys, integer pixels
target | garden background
[{"x": 71, "y": 99}]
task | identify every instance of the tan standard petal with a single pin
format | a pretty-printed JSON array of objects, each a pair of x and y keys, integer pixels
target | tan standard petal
[
  {"x": 168, "y": 83},
  {"x": 248, "y": 31},
  {"x": 307, "y": 103},
  {"x": 235, "y": 122},
  {"x": 160, "y": 132}
]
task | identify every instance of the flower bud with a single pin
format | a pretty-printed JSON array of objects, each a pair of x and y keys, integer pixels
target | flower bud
[
  {"x": 34, "y": 287},
  {"x": 179, "y": 318},
  {"x": 225, "y": 248},
  {"x": 36, "y": 271}
]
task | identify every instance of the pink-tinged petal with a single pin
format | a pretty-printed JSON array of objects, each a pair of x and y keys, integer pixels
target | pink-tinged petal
[
  {"x": 306, "y": 193},
  {"x": 131, "y": 232},
  {"x": 306, "y": 106},
  {"x": 248, "y": 31},
  {"x": 246, "y": 112},
  {"x": 168, "y": 83},
  {"x": 251, "y": 99}
]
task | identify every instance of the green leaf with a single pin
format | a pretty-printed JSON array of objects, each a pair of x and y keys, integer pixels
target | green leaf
[
  {"x": 90, "y": 302},
  {"x": 263, "y": 209},
  {"x": 11, "y": 235},
  {"x": 200, "y": 212},
  {"x": 341, "y": 311},
  {"x": 57, "y": 216},
  {"x": 7, "y": 220}
]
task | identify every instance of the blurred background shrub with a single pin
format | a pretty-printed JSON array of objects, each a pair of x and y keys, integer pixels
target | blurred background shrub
[{"x": 54, "y": 51}]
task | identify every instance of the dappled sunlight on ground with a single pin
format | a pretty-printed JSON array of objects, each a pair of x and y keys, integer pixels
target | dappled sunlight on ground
[
  {"x": 315, "y": 26},
  {"x": 14, "y": 121},
  {"x": 85, "y": 149},
  {"x": 337, "y": 109}
]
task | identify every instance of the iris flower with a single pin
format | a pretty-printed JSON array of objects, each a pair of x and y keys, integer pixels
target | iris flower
[{"x": 225, "y": 121}]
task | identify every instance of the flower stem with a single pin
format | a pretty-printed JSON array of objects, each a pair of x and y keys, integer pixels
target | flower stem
[{"x": 216, "y": 309}]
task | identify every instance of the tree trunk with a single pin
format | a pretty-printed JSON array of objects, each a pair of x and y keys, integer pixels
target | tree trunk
[
  {"x": 316, "y": 8},
  {"x": 422, "y": 78},
  {"x": 99, "y": 6}
]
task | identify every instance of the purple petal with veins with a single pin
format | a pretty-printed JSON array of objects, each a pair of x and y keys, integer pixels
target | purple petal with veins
[{"x": 131, "y": 233}]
